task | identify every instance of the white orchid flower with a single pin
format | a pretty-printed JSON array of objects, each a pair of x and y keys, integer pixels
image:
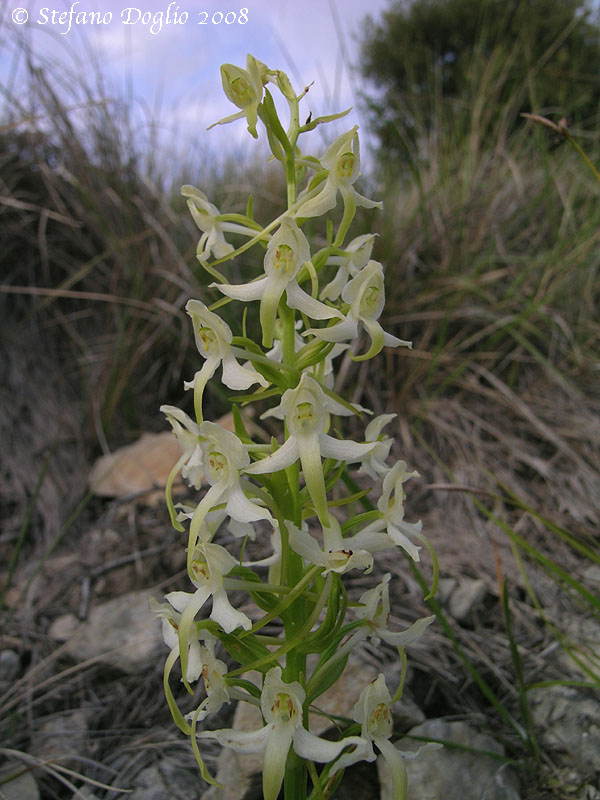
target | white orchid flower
[
  {"x": 335, "y": 555},
  {"x": 342, "y": 162},
  {"x": 287, "y": 251},
  {"x": 171, "y": 621},
  {"x": 208, "y": 218},
  {"x": 207, "y": 568},
  {"x": 244, "y": 88},
  {"x": 357, "y": 255},
  {"x": 186, "y": 433},
  {"x": 213, "y": 673},
  {"x": 213, "y": 340},
  {"x": 365, "y": 294},
  {"x": 375, "y": 611},
  {"x": 373, "y": 464},
  {"x": 306, "y": 412},
  {"x": 281, "y": 706},
  {"x": 373, "y": 712},
  {"x": 223, "y": 457},
  {"x": 208, "y": 564},
  {"x": 391, "y": 506}
]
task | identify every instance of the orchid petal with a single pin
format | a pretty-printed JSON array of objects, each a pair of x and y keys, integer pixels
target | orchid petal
[
  {"x": 322, "y": 202},
  {"x": 298, "y": 298},
  {"x": 283, "y": 457},
  {"x": 403, "y": 541},
  {"x": 347, "y": 329},
  {"x": 242, "y": 509},
  {"x": 276, "y": 751},
  {"x": 342, "y": 449},
  {"x": 243, "y": 291},
  {"x": 228, "y": 617},
  {"x": 363, "y": 752},
  {"x": 364, "y": 202},
  {"x": 240, "y": 741},
  {"x": 397, "y": 767},
  {"x": 274, "y": 287},
  {"x": 393, "y": 341},
  {"x": 410, "y": 635},
  {"x": 307, "y": 745},
  {"x": 225, "y": 120},
  {"x": 374, "y": 428},
  {"x": 334, "y": 288},
  {"x": 310, "y": 458}
]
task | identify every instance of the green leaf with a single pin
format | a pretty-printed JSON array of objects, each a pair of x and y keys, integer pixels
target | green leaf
[{"x": 328, "y": 678}]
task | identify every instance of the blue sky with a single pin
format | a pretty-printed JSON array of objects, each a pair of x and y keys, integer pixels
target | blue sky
[{"x": 173, "y": 73}]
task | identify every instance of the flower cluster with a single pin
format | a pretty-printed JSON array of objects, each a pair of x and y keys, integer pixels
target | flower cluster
[{"x": 313, "y": 306}]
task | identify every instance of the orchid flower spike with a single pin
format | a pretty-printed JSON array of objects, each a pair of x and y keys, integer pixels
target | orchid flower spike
[
  {"x": 306, "y": 412},
  {"x": 281, "y": 706},
  {"x": 213, "y": 340},
  {"x": 341, "y": 160},
  {"x": 287, "y": 251},
  {"x": 365, "y": 294},
  {"x": 208, "y": 218}
]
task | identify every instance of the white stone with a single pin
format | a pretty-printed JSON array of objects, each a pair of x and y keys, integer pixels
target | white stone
[{"x": 122, "y": 633}]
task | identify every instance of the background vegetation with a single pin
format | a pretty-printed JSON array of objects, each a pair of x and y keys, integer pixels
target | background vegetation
[{"x": 491, "y": 240}]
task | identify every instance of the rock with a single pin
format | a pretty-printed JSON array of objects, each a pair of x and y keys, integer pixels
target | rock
[
  {"x": 465, "y": 599},
  {"x": 167, "y": 781},
  {"x": 60, "y": 737},
  {"x": 445, "y": 588},
  {"x": 122, "y": 633},
  {"x": 63, "y": 627},
  {"x": 592, "y": 573},
  {"x": 406, "y": 713},
  {"x": 84, "y": 793},
  {"x": 10, "y": 666},
  {"x": 236, "y": 770},
  {"x": 141, "y": 466},
  {"x": 23, "y": 787},
  {"x": 568, "y": 721},
  {"x": 452, "y": 774},
  {"x": 584, "y": 636}
]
